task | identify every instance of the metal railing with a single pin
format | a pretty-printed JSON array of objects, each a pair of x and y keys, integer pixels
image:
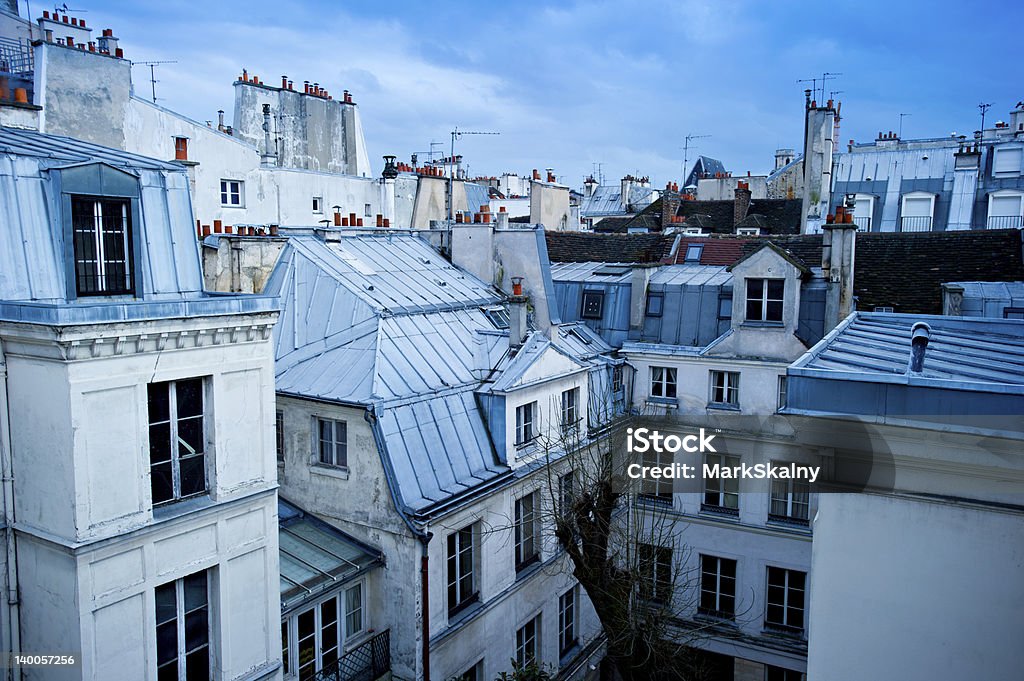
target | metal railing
[
  {"x": 863, "y": 224},
  {"x": 919, "y": 223},
  {"x": 1004, "y": 222},
  {"x": 15, "y": 56},
  {"x": 369, "y": 661}
]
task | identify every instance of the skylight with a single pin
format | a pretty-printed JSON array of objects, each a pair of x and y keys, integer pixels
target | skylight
[
  {"x": 611, "y": 271},
  {"x": 497, "y": 316}
]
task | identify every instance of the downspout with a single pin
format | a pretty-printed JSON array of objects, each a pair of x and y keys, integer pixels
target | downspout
[
  {"x": 7, "y": 472},
  {"x": 421, "y": 534}
]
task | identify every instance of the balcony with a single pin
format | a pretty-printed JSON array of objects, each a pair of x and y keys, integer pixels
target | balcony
[
  {"x": 1004, "y": 222},
  {"x": 369, "y": 661},
  {"x": 918, "y": 223},
  {"x": 863, "y": 224}
]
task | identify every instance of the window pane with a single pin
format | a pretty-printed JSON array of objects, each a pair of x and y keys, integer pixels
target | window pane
[
  {"x": 161, "y": 483},
  {"x": 160, "y": 443},
  {"x": 193, "y": 475},
  {"x": 189, "y": 397},
  {"x": 190, "y": 436},
  {"x": 159, "y": 402},
  {"x": 196, "y": 629},
  {"x": 195, "y": 591},
  {"x": 776, "y": 288},
  {"x": 197, "y": 665}
]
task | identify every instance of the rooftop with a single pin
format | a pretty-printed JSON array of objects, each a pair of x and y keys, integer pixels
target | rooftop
[{"x": 605, "y": 248}]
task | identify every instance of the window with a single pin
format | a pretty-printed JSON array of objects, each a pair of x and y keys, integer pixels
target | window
[
  {"x": 863, "y": 209},
  {"x": 663, "y": 382},
  {"x": 526, "y": 642},
  {"x": 782, "y": 395},
  {"x": 655, "y": 304},
  {"x": 367, "y": 209},
  {"x": 474, "y": 673},
  {"x": 231, "y": 193},
  {"x": 1005, "y": 210},
  {"x": 785, "y": 606},
  {"x": 717, "y": 586},
  {"x": 567, "y": 636},
  {"x": 177, "y": 440},
  {"x": 657, "y": 489},
  {"x": 1007, "y": 161},
  {"x": 353, "y": 610},
  {"x": 725, "y": 389},
  {"x": 724, "y": 308},
  {"x": 693, "y": 252},
  {"x": 566, "y": 491},
  {"x": 780, "y": 674},
  {"x": 318, "y": 204},
  {"x": 285, "y": 638},
  {"x": 102, "y": 232},
  {"x": 570, "y": 409},
  {"x": 655, "y": 572},
  {"x": 183, "y": 629},
  {"x": 526, "y": 531},
  {"x": 764, "y": 299},
  {"x": 317, "y": 639},
  {"x": 180, "y": 148},
  {"x": 333, "y": 439},
  {"x": 721, "y": 495},
  {"x": 617, "y": 378},
  {"x": 1013, "y": 313},
  {"x": 525, "y": 431},
  {"x": 279, "y": 427},
  {"x": 883, "y": 308},
  {"x": 916, "y": 212},
  {"x": 462, "y": 588},
  {"x": 790, "y": 499},
  {"x": 748, "y": 231},
  {"x": 593, "y": 304}
]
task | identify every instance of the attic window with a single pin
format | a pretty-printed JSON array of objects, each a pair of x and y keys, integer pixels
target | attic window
[
  {"x": 102, "y": 232},
  {"x": 655, "y": 304},
  {"x": 694, "y": 231},
  {"x": 748, "y": 231},
  {"x": 583, "y": 339},
  {"x": 693, "y": 252},
  {"x": 611, "y": 271},
  {"x": 883, "y": 308},
  {"x": 593, "y": 305},
  {"x": 497, "y": 316}
]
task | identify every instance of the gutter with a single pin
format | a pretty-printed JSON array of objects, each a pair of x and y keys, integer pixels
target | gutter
[
  {"x": 7, "y": 471},
  {"x": 422, "y": 535}
]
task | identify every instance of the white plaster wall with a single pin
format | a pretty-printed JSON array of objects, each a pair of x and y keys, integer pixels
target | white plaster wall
[
  {"x": 549, "y": 206},
  {"x": 724, "y": 188},
  {"x": 915, "y": 589}
]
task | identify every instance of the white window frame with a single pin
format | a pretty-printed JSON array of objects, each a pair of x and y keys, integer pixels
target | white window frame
[
  {"x": 456, "y": 571},
  {"x": 727, "y": 384},
  {"x": 367, "y": 210},
  {"x": 860, "y": 200},
  {"x": 568, "y": 620},
  {"x": 175, "y": 440},
  {"x": 715, "y": 582},
  {"x": 528, "y": 643},
  {"x": 570, "y": 409},
  {"x": 1005, "y": 193},
  {"x": 748, "y": 231},
  {"x": 232, "y": 189},
  {"x": 617, "y": 378},
  {"x": 180, "y": 617},
  {"x": 789, "y": 593},
  {"x": 318, "y": 205},
  {"x": 279, "y": 435},
  {"x": 659, "y": 490},
  {"x": 527, "y": 530},
  {"x": 664, "y": 380},
  {"x": 763, "y": 299},
  {"x": 917, "y": 195},
  {"x": 526, "y": 424},
  {"x": 359, "y": 611},
  {"x": 721, "y": 495},
  {"x": 782, "y": 396},
  {"x": 790, "y": 500},
  {"x": 655, "y": 583},
  {"x": 290, "y": 632},
  {"x": 998, "y": 153},
  {"x": 321, "y": 457}
]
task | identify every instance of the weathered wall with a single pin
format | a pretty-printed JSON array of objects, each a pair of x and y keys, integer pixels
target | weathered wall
[
  {"x": 549, "y": 206},
  {"x": 240, "y": 264}
]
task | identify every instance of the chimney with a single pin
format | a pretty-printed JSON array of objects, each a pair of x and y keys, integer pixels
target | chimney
[
  {"x": 536, "y": 174},
  {"x": 952, "y": 300},
  {"x": 837, "y": 255},
  {"x": 741, "y": 202},
  {"x": 920, "y": 334},
  {"x": 640, "y": 277},
  {"x": 589, "y": 185},
  {"x": 269, "y": 157},
  {"x": 625, "y": 185},
  {"x": 220, "y": 119},
  {"x": 502, "y": 218},
  {"x": 517, "y": 303},
  {"x": 669, "y": 205}
]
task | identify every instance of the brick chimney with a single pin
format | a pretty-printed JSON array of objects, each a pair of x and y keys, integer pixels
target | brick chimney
[
  {"x": 838, "y": 246},
  {"x": 741, "y": 202},
  {"x": 669, "y": 204}
]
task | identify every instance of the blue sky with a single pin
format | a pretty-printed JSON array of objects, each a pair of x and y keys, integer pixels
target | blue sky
[{"x": 569, "y": 85}]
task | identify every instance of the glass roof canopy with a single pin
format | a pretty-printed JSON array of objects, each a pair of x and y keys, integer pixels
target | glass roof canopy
[{"x": 315, "y": 557}]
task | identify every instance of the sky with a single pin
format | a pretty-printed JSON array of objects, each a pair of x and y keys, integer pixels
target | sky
[{"x": 572, "y": 85}]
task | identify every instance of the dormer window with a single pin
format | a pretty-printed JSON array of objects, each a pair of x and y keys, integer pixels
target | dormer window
[
  {"x": 917, "y": 211},
  {"x": 1006, "y": 162},
  {"x": 102, "y": 230},
  {"x": 764, "y": 299}
]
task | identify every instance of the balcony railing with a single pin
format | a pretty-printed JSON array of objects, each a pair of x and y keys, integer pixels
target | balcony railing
[
  {"x": 863, "y": 224},
  {"x": 920, "y": 223},
  {"x": 369, "y": 661},
  {"x": 1004, "y": 222}
]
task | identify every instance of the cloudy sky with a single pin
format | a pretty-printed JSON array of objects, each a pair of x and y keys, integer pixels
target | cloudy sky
[{"x": 571, "y": 85}]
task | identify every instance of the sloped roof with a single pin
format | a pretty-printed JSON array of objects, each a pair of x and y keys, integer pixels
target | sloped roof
[
  {"x": 718, "y": 250},
  {"x": 772, "y": 216},
  {"x": 623, "y": 248},
  {"x": 18, "y": 142},
  {"x": 704, "y": 165}
]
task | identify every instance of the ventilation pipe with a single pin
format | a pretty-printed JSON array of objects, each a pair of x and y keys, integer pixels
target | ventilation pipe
[
  {"x": 269, "y": 157},
  {"x": 920, "y": 334}
]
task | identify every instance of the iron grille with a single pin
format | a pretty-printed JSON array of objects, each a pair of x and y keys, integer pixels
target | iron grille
[{"x": 369, "y": 661}]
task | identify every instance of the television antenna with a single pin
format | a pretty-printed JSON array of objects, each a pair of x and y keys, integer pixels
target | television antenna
[
  {"x": 152, "y": 72},
  {"x": 457, "y": 134},
  {"x": 686, "y": 151},
  {"x": 902, "y": 116},
  {"x": 983, "y": 108}
]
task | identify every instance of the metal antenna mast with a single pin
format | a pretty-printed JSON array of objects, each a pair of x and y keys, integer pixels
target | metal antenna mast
[
  {"x": 152, "y": 72},
  {"x": 983, "y": 108},
  {"x": 686, "y": 151},
  {"x": 827, "y": 76},
  {"x": 902, "y": 116},
  {"x": 457, "y": 134}
]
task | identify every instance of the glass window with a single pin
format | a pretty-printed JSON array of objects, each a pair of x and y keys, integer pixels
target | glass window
[
  {"x": 102, "y": 236},
  {"x": 721, "y": 494},
  {"x": 354, "y": 610},
  {"x": 655, "y": 304},
  {"x": 725, "y": 389},
  {"x": 318, "y": 204},
  {"x": 567, "y": 633},
  {"x": 655, "y": 569},
  {"x": 231, "y": 193},
  {"x": 783, "y": 393},
  {"x": 279, "y": 432},
  {"x": 177, "y": 440},
  {"x": 183, "y": 629},
  {"x": 764, "y": 299},
  {"x": 333, "y": 442},
  {"x": 462, "y": 586},
  {"x": 526, "y": 531},
  {"x": 717, "y": 586},
  {"x": 526, "y": 642},
  {"x": 790, "y": 499},
  {"x": 785, "y": 599},
  {"x": 317, "y": 643},
  {"x": 663, "y": 382},
  {"x": 570, "y": 409},
  {"x": 525, "y": 430}
]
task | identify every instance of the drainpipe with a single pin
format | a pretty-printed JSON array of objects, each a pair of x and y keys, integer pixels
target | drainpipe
[
  {"x": 269, "y": 157},
  {"x": 7, "y": 472},
  {"x": 422, "y": 535}
]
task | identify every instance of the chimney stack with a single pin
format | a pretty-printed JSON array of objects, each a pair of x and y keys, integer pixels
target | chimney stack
[
  {"x": 920, "y": 334},
  {"x": 669, "y": 205},
  {"x": 220, "y": 119},
  {"x": 837, "y": 256},
  {"x": 741, "y": 202},
  {"x": 517, "y": 303}
]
